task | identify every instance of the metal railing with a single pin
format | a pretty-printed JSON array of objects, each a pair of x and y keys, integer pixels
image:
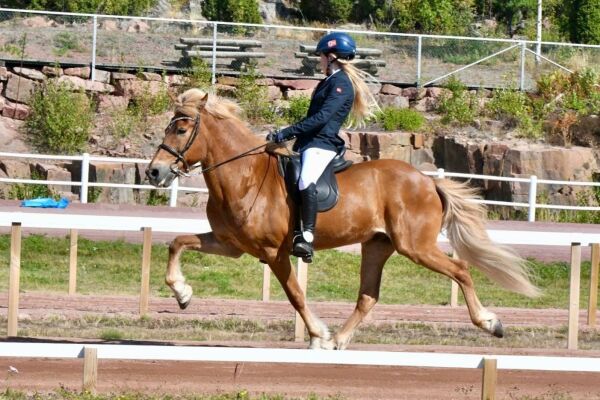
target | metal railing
[
  {"x": 410, "y": 58},
  {"x": 85, "y": 183}
]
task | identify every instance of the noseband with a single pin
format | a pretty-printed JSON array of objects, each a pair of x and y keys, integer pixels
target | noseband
[{"x": 179, "y": 155}]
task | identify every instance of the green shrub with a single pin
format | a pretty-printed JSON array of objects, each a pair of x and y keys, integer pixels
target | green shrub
[
  {"x": 406, "y": 119},
  {"x": 253, "y": 98},
  {"x": 60, "y": 119},
  {"x": 22, "y": 191},
  {"x": 65, "y": 42},
  {"x": 330, "y": 11},
  {"x": 297, "y": 110},
  {"x": 157, "y": 198},
  {"x": 584, "y": 198},
  {"x": 232, "y": 11},
  {"x": 148, "y": 104},
  {"x": 112, "y": 7},
  {"x": 516, "y": 110},
  {"x": 429, "y": 16},
  {"x": 198, "y": 75},
  {"x": 458, "y": 106}
]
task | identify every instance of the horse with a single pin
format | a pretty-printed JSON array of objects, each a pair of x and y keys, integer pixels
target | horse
[{"x": 385, "y": 205}]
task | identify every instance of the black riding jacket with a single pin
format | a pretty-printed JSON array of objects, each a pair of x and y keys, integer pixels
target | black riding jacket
[{"x": 329, "y": 107}]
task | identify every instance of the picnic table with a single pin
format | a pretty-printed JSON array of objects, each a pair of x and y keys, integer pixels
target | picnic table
[
  {"x": 366, "y": 59},
  {"x": 238, "y": 52}
]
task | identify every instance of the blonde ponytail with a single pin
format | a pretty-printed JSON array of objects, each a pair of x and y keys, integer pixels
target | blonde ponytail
[{"x": 365, "y": 104}]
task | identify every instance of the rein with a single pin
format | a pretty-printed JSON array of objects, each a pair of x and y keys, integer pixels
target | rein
[{"x": 179, "y": 155}]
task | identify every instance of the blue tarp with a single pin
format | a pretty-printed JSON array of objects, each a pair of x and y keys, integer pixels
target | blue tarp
[{"x": 45, "y": 202}]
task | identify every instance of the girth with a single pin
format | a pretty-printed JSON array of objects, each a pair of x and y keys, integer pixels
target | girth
[{"x": 327, "y": 188}]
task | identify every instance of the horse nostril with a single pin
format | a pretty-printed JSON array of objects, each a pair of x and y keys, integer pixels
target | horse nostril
[{"x": 152, "y": 172}]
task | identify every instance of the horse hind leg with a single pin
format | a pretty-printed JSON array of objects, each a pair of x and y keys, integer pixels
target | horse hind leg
[
  {"x": 375, "y": 253},
  {"x": 205, "y": 243},
  {"x": 458, "y": 270}
]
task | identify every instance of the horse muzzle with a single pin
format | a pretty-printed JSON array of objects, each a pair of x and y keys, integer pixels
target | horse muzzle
[{"x": 160, "y": 175}]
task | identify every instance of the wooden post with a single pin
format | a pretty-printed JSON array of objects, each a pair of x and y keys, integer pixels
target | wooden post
[
  {"x": 14, "y": 279},
  {"x": 490, "y": 376},
  {"x": 574, "y": 287},
  {"x": 454, "y": 287},
  {"x": 593, "y": 301},
  {"x": 73, "y": 262},
  {"x": 90, "y": 369},
  {"x": 146, "y": 255},
  {"x": 302, "y": 275},
  {"x": 266, "y": 289}
]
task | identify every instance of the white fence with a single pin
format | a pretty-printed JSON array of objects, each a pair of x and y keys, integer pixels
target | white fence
[
  {"x": 86, "y": 158},
  {"x": 488, "y": 363},
  {"x": 408, "y": 58},
  {"x": 59, "y": 219}
]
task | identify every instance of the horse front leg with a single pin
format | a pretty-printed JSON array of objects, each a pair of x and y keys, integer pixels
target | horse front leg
[
  {"x": 205, "y": 243},
  {"x": 320, "y": 338},
  {"x": 375, "y": 253}
]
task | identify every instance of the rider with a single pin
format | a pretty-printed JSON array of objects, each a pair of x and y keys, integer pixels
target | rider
[{"x": 343, "y": 92}]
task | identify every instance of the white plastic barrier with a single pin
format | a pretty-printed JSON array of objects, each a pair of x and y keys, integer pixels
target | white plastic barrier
[{"x": 489, "y": 363}]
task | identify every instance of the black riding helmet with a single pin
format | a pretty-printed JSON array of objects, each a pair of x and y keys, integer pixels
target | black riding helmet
[{"x": 339, "y": 43}]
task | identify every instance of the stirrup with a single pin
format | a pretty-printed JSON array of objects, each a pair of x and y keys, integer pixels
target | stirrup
[{"x": 302, "y": 249}]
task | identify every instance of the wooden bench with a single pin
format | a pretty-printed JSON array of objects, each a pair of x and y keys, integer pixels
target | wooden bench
[
  {"x": 366, "y": 59},
  {"x": 239, "y": 52}
]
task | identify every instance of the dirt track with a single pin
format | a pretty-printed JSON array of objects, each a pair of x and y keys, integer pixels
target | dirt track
[{"x": 352, "y": 382}]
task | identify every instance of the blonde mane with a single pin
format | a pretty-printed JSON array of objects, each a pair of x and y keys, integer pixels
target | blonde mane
[{"x": 189, "y": 102}]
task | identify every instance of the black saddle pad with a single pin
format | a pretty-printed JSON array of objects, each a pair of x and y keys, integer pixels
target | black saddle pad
[{"x": 327, "y": 188}]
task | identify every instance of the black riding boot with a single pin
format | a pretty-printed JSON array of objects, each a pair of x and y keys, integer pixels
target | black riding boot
[{"x": 302, "y": 247}]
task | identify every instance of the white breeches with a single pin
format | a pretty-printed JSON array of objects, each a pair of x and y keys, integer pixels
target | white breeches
[{"x": 314, "y": 162}]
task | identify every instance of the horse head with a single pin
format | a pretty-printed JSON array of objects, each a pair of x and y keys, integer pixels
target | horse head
[{"x": 180, "y": 151}]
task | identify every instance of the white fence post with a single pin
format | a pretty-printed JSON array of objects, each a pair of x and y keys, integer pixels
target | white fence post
[
  {"x": 522, "y": 75},
  {"x": 532, "y": 197},
  {"x": 173, "y": 192},
  {"x": 419, "y": 50},
  {"x": 85, "y": 177},
  {"x": 214, "y": 54},
  {"x": 94, "y": 40}
]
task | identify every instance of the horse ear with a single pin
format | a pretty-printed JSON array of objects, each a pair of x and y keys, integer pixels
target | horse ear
[{"x": 203, "y": 102}]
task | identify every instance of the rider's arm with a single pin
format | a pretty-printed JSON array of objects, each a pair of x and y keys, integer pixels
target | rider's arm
[{"x": 336, "y": 98}]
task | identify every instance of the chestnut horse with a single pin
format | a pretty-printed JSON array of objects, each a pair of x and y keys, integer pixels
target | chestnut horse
[{"x": 386, "y": 205}]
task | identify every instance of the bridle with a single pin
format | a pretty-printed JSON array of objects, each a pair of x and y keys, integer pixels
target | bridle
[{"x": 179, "y": 155}]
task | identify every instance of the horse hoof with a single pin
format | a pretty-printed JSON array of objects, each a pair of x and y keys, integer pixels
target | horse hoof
[
  {"x": 184, "y": 297},
  {"x": 183, "y": 305},
  {"x": 317, "y": 343},
  {"x": 497, "y": 329}
]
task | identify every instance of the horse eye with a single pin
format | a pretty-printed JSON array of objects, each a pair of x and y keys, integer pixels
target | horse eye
[{"x": 181, "y": 131}]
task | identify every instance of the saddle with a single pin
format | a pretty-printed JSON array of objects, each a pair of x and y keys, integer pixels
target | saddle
[{"x": 327, "y": 188}]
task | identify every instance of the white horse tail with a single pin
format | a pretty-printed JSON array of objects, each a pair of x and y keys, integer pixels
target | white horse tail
[{"x": 464, "y": 221}]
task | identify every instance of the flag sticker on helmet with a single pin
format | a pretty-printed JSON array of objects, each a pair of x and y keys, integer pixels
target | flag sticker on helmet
[
  {"x": 338, "y": 89},
  {"x": 331, "y": 43}
]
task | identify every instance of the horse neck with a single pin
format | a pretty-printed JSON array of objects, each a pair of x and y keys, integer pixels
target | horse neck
[{"x": 225, "y": 140}]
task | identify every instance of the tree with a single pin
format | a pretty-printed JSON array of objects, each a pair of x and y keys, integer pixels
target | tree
[{"x": 584, "y": 21}]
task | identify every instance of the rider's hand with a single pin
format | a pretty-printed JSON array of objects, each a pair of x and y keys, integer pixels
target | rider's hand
[{"x": 276, "y": 137}]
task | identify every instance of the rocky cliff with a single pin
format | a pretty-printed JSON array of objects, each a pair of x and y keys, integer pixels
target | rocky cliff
[{"x": 454, "y": 150}]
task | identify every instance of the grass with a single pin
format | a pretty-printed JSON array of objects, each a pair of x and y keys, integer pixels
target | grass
[
  {"x": 114, "y": 268},
  {"x": 120, "y": 328}
]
